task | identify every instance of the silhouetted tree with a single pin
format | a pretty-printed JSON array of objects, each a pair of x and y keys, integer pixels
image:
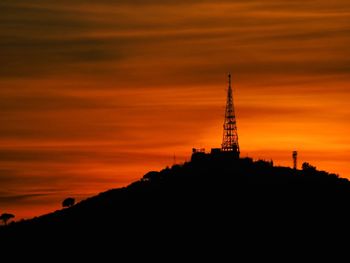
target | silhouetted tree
[
  {"x": 68, "y": 202},
  {"x": 308, "y": 167},
  {"x": 6, "y": 217}
]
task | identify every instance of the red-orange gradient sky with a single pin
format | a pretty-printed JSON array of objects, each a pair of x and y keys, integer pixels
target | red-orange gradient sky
[{"x": 95, "y": 93}]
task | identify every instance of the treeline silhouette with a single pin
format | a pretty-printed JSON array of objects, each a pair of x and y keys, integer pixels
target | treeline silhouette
[{"x": 207, "y": 197}]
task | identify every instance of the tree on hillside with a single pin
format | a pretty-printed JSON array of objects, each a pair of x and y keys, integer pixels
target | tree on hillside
[
  {"x": 308, "y": 167},
  {"x": 5, "y": 217},
  {"x": 68, "y": 202}
]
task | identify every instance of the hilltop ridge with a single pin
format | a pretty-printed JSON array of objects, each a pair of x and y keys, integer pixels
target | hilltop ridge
[{"x": 216, "y": 194}]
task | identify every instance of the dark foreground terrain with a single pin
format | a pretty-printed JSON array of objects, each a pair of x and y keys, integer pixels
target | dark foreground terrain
[{"x": 205, "y": 203}]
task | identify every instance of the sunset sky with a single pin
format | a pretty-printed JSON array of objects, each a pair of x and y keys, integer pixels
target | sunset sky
[{"x": 95, "y": 93}]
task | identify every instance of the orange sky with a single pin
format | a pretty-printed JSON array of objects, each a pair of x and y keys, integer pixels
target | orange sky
[{"x": 93, "y": 94}]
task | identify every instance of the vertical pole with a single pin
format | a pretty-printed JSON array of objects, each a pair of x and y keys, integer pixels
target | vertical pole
[{"x": 295, "y": 158}]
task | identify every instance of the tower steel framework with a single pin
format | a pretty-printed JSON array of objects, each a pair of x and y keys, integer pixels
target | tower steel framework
[{"x": 230, "y": 136}]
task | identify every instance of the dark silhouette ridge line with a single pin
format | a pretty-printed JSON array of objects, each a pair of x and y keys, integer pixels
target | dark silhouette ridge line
[{"x": 204, "y": 186}]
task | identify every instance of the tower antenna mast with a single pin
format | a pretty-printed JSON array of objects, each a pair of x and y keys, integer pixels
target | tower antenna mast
[{"x": 230, "y": 135}]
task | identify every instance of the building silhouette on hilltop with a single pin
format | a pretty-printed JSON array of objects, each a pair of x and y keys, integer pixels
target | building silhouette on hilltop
[{"x": 229, "y": 147}]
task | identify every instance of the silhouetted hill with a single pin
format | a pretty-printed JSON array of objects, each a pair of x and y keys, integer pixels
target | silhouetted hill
[{"x": 205, "y": 200}]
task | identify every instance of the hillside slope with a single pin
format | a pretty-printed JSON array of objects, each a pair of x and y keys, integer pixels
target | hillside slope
[{"x": 200, "y": 198}]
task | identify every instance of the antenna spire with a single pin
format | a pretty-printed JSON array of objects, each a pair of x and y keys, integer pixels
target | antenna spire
[{"x": 230, "y": 135}]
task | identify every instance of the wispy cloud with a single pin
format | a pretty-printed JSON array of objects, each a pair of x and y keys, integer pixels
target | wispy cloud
[
  {"x": 50, "y": 38},
  {"x": 16, "y": 198}
]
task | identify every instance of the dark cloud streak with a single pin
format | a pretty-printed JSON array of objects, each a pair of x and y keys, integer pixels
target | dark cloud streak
[
  {"x": 43, "y": 38},
  {"x": 18, "y": 198}
]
